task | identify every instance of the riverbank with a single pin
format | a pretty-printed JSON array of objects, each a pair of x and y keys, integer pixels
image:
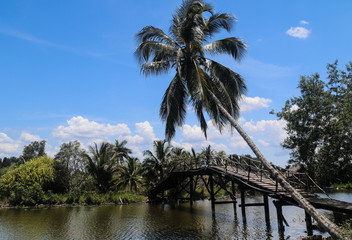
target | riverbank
[{"x": 74, "y": 199}]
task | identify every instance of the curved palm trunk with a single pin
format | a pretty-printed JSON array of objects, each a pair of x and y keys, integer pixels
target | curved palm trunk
[{"x": 329, "y": 226}]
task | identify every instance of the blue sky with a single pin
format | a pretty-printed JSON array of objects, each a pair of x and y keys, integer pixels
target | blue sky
[{"x": 67, "y": 70}]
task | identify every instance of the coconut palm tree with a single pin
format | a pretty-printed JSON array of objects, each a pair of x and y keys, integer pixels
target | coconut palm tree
[
  {"x": 102, "y": 164},
  {"x": 130, "y": 177},
  {"x": 156, "y": 166},
  {"x": 204, "y": 83},
  {"x": 121, "y": 150}
]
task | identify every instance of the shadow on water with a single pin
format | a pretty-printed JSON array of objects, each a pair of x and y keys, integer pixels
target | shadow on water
[{"x": 154, "y": 221}]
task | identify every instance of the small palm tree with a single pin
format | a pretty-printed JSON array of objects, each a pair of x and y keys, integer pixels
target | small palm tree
[
  {"x": 180, "y": 157},
  {"x": 102, "y": 164},
  {"x": 130, "y": 175},
  {"x": 204, "y": 83},
  {"x": 156, "y": 166},
  {"x": 121, "y": 150}
]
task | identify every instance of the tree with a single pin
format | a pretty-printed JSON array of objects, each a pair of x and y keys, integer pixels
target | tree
[
  {"x": 71, "y": 157},
  {"x": 33, "y": 150},
  {"x": 130, "y": 174},
  {"x": 204, "y": 83},
  {"x": 121, "y": 150},
  {"x": 156, "y": 165},
  {"x": 319, "y": 125},
  {"x": 102, "y": 164}
]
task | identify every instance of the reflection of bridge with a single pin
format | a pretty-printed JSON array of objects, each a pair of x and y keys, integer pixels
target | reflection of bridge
[{"x": 247, "y": 174}]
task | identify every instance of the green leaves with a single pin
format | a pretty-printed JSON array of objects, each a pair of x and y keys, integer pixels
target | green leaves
[
  {"x": 197, "y": 79},
  {"x": 319, "y": 125}
]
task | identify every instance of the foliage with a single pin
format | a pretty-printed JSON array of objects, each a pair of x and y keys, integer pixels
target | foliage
[
  {"x": 130, "y": 175},
  {"x": 27, "y": 183},
  {"x": 33, "y": 150},
  {"x": 319, "y": 125},
  {"x": 121, "y": 150},
  {"x": 102, "y": 164},
  {"x": 198, "y": 80},
  {"x": 70, "y": 156},
  {"x": 156, "y": 166},
  {"x": 347, "y": 229}
]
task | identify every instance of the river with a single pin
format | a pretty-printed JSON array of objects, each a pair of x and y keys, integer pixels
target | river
[{"x": 152, "y": 221}]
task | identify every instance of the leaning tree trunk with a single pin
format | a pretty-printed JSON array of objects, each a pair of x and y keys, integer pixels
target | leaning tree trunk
[{"x": 323, "y": 221}]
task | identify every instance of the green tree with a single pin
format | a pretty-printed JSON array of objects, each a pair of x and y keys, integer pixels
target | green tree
[
  {"x": 156, "y": 166},
  {"x": 27, "y": 183},
  {"x": 33, "y": 150},
  {"x": 202, "y": 82},
  {"x": 121, "y": 150},
  {"x": 319, "y": 125},
  {"x": 130, "y": 175},
  {"x": 102, "y": 164},
  {"x": 71, "y": 157}
]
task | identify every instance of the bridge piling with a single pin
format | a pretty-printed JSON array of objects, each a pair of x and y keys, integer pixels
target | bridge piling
[
  {"x": 212, "y": 195},
  {"x": 234, "y": 197},
  {"x": 191, "y": 191},
  {"x": 243, "y": 204},
  {"x": 309, "y": 224},
  {"x": 266, "y": 207},
  {"x": 280, "y": 220}
]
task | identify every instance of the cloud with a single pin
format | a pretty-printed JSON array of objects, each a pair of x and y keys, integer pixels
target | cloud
[
  {"x": 11, "y": 147},
  {"x": 303, "y": 22},
  {"x": 272, "y": 130},
  {"x": 249, "y": 104},
  {"x": 27, "y": 137},
  {"x": 82, "y": 128},
  {"x": 238, "y": 142},
  {"x": 264, "y": 143},
  {"x": 298, "y": 32}
]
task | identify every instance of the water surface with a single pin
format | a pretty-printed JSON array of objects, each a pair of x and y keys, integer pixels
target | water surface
[{"x": 152, "y": 221}]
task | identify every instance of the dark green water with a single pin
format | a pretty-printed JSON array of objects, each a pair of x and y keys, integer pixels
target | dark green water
[{"x": 149, "y": 221}]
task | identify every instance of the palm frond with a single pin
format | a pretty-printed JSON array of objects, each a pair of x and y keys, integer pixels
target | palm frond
[
  {"x": 155, "y": 68},
  {"x": 148, "y": 49},
  {"x": 173, "y": 106},
  {"x": 151, "y": 33},
  {"x": 232, "y": 46},
  {"x": 218, "y": 21}
]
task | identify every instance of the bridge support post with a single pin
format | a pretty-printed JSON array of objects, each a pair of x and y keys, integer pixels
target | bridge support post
[
  {"x": 309, "y": 224},
  {"x": 234, "y": 197},
  {"x": 212, "y": 195},
  {"x": 243, "y": 204},
  {"x": 191, "y": 188},
  {"x": 266, "y": 208},
  {"x": 280, "y": 220}
]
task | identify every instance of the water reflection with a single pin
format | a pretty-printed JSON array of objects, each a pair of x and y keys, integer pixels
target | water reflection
[{"x": 149, "y": 221}]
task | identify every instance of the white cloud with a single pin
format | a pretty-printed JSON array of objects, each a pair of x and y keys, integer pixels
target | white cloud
[
  {"x": 249, "y": 104},
  {"x": 11, "y": 147},
  {"x": 272, "y": 130},
  {"x": 192, "y": 133},
  {"x": 238, "y": 142},
  {"x": 303, "y": 22},
  {"x": 264, "y": 143},
  {"x": 298, "y": 32},
  {"x": 79, "y": 127},
  {"x": 27, "y": 137}
]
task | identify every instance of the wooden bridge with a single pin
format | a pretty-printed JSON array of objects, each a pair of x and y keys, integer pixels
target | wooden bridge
[{"x": 240, "y": 173}]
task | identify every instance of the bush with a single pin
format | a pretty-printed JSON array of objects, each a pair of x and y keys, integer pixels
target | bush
[{"x": 25, "y": 185}]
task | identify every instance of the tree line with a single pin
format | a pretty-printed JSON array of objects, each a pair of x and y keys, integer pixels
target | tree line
[{"x": 102, "y": 169}]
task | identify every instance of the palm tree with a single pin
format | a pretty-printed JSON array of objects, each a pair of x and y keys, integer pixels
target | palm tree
[
  {"x": 180, "y": 157},
  {"x": 102, "y": 165},
  {"x": 156, "y": 166},
  {"x": 202, "y": 82},
  {"x": 121, "y": 150},
  {"x": 130, "y": 177}
]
